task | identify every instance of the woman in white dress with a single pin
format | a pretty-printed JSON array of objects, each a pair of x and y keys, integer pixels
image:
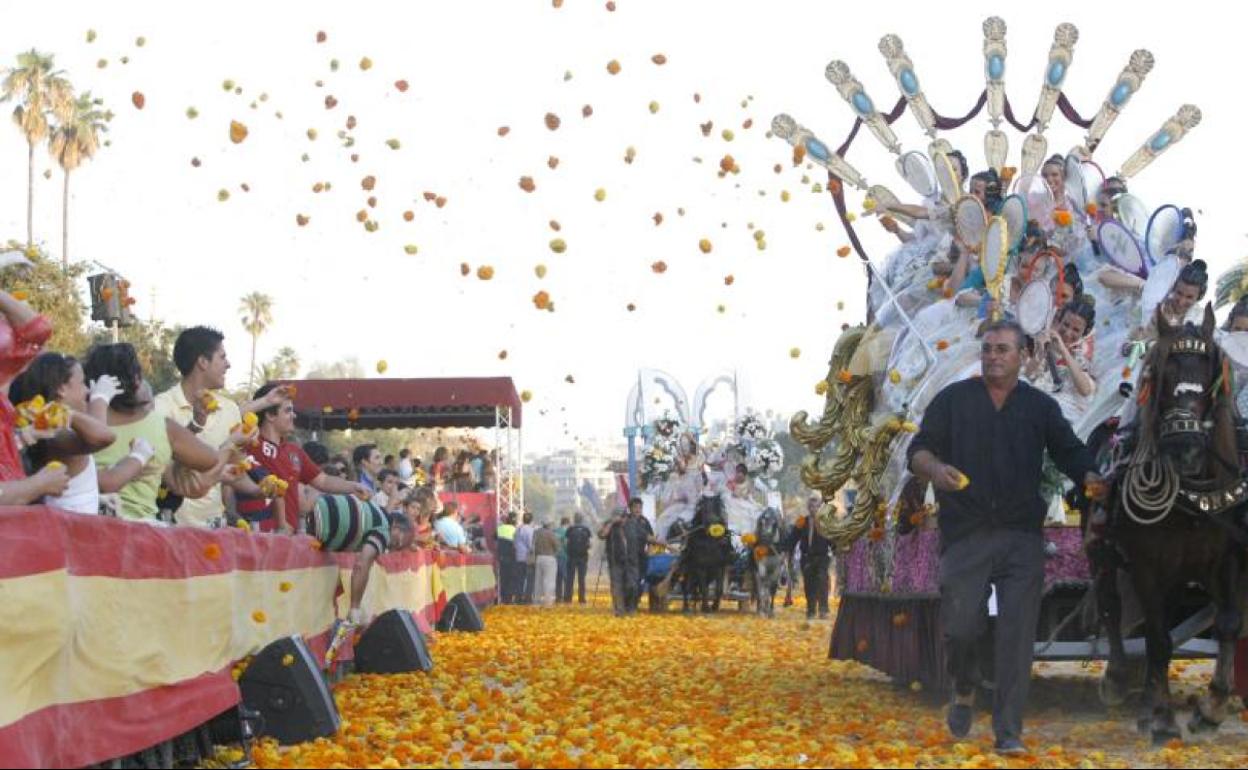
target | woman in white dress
[
  {"x": 740, "y": 508},
  {"x": 679, "y": 494}
]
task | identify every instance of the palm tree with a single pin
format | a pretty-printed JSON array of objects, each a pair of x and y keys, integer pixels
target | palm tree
[
  {"x": 40, "y": 91},
  {"x": 283, "y": 366},
  {"x": 257, "y": 310},
  {"x": 71, "y": 143}
]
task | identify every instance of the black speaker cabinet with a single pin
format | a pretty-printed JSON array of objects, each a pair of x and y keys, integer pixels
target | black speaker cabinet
[
  {"x": 392, "y": 645},
  {"x": 460, "y": 614},
  {"x": 293, "y": 699}
]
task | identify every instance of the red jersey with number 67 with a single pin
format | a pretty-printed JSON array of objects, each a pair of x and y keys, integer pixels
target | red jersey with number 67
[{"x": 289, "y": 463}]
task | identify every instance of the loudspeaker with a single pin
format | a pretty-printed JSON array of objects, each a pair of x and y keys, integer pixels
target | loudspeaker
[
  {"x": 392, "y": 645},
  {"x": 460, "y": 614},
  {"x": 285, "y": 685}
]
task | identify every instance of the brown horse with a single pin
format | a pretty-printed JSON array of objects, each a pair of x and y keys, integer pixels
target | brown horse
[{"x": 1176, "y": 517}]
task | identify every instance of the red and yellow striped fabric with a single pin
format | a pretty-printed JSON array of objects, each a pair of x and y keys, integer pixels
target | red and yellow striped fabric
[{"x": 116, "y": 635}]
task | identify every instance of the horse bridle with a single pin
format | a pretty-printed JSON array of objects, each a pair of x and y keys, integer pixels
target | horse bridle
[{"x": 1180, "y": 422}]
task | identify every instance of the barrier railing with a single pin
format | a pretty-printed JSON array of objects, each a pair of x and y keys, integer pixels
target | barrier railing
[{"x": 115, "y": 635}]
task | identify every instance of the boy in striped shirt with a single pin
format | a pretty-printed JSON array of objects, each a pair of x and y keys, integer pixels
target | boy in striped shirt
[{"x": 347, "y": 524}]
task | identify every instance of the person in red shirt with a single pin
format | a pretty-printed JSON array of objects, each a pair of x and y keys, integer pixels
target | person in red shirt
[
  {"x": 22, "y": 335},
  {"x": 285, "y": 459}
]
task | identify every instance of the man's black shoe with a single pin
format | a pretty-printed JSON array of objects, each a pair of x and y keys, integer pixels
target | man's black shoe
[
  {"x": 959, "y": 720},
  {"x": 1010, "y": 747}
]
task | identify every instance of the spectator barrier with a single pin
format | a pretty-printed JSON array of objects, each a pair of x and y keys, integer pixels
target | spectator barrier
[{"x": 116, "y": 635}]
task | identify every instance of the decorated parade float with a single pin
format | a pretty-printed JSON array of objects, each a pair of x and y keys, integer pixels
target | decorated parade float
[{"x": 1064, "y": 231}]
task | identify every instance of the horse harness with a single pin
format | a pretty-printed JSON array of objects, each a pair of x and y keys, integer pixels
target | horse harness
[{"x": 1169, "y": 490}]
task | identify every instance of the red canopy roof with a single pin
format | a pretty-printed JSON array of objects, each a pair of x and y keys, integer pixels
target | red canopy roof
[{"x": 424, "y": 403}]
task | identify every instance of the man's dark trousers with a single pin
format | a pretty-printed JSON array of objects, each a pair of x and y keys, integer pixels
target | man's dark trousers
[
  {"x": 578, "y": 567},
  {"x": 1013, "y": 561}
]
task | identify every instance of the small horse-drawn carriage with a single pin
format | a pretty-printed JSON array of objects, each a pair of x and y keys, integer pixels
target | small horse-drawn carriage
[{"x": 701, "y": 567}]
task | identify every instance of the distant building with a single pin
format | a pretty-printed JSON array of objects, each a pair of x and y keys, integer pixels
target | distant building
[{"x": 567, "y": 470}]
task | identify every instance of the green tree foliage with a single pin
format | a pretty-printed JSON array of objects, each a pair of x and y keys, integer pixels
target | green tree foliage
[
  {"x": 539, "y": 497},
  {"x": 283, "y": 366},
  {"x": 56, "y": 294}
]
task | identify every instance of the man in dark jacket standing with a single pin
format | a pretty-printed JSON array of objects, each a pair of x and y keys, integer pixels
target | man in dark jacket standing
[
  {"x": 816, "y": 559},
  {"x": 578, "y": 540},
  {"x": 982, "y": 444},
  {"x": 627, "y": 535}
]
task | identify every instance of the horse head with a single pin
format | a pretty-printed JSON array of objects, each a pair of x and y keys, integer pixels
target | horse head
[
  {"x": 708, "y": 511},
  {"x": 1186, "y": 401},
  {"x": 767, "y": 529}
]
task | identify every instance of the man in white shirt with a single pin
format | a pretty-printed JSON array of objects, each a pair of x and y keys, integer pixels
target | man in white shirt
[
  {"x": 406, "y": 471},
  {"x": 197, "y": 403}
]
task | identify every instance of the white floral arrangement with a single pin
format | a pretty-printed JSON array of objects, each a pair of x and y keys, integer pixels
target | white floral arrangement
[
  {"x": 765, "y": 459},
  {"x": 658, "y": 461},
  {"x": 659, "y": 458},
  {"x": 751, "y": 428}
]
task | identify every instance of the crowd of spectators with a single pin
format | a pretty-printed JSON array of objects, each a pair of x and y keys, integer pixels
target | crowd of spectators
[{"x": 91, "y": 437}]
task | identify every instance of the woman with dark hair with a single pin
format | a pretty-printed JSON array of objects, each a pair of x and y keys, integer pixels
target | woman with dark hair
[
  {"x": 55, "y": 377},
  {"x": 439, "y": 473},
  {"x": 986, "y": 186},
  {"x": 1237, "y": 321},
  {"x": 461, "y": 478},
  {"x": 1067, "y": 344},
  {"x": 130, "y": 416},
  {"x": 417, "y": 508},
  {"x": 1234, "y": 342},
  {"x": 1188, "y": 290},
  {"x": 1070, "y": 287}
]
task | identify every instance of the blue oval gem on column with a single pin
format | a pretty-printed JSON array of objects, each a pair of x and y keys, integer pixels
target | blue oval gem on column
[
  {"x": 862, "y": 103},
  {"x": 909, "y": 83},
  {"x": 817, "y": 149},
  {"x": 1057, "y": 73},
  {"x": 1160, "y": 142},
  {"x": 996, "y": 67},
  {"x": 1120, "y": 94}
]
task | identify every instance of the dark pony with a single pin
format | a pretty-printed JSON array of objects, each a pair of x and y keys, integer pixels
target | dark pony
[
  {"x": 1176, "y": 518},
  {"x": 705, "y": 558}
]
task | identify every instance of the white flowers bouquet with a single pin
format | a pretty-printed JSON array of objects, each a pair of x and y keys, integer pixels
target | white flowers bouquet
[
  {"x": 766, "y": 459},
  {"x": 751, "y": 428},
  {"x": 658, "y": 461}
]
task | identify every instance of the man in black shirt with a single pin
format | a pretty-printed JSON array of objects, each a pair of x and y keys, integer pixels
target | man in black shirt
[
  {"x": 816, "y": 558},
  {"x": 578, "y": 538},
  {"x": 981, "y": 445},
  {"x": 627, "y": 535}
]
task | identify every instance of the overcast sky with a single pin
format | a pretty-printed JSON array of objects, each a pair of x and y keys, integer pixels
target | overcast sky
[{"x": 472, "y": 67}]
